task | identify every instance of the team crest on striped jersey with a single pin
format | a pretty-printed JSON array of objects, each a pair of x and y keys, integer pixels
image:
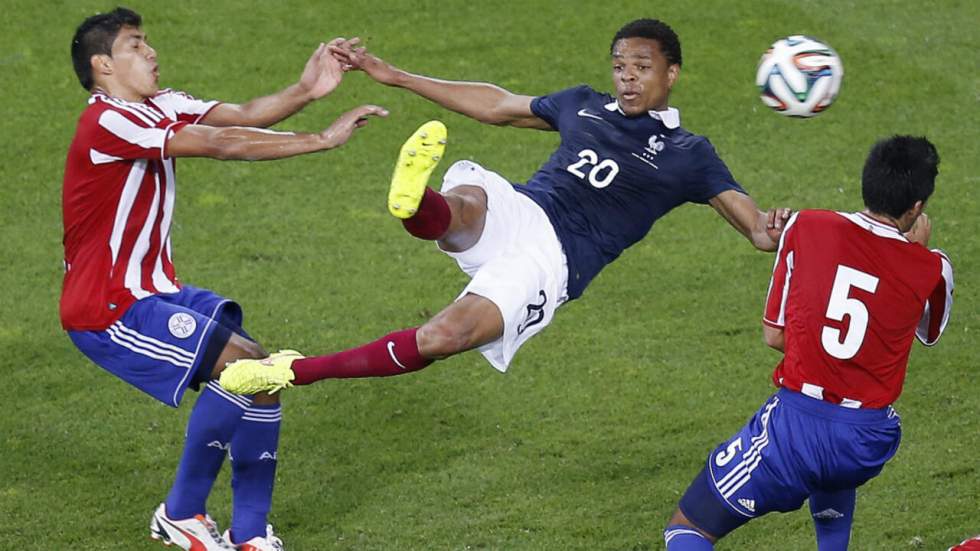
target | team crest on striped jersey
[{"x": 182, "y": 325}]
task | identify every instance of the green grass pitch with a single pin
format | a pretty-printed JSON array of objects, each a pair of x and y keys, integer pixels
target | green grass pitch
[{"x": 603, "y": 419}]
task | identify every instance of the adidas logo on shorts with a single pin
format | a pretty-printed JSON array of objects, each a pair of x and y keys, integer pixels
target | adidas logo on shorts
[{"x": 747, "y": 503}]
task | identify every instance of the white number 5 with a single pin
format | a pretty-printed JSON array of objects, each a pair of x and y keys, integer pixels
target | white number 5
[
  {"x": 841, "y": 304},
  {"x": 725, "y": 457}
]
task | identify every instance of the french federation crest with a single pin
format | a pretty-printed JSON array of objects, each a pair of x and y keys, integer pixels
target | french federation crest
[{"x": 654, "y": 145}]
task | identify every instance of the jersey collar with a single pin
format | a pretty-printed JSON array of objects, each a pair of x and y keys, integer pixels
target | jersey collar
[
  {"x": 876, "y": 227},
  {"x": 671, "y": 117}
]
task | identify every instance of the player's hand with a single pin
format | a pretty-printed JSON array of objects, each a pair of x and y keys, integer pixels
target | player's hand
[
  {"x": 323, "y": 72},
  {"x": 776, "y": 221},
  {"x": 341, "y": 130},
  {"x": 353, "y": 58},
  {"x": 921, "y": 231}
]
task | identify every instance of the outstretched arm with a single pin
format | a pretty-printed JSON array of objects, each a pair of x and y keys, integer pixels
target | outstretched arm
[
  {"x": 487, "y": 103},
  {"x": 255, "y": 144},
  {"x": 761, "y": 228},
  {"x": 321, "y": 76}
]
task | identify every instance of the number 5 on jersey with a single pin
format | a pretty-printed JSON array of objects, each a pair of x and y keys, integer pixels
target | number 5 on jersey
[
  {"x": 599, "y": 173},
  {"x": 842, "y": 304}
]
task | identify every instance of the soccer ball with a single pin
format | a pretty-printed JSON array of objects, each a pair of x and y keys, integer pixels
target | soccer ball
[{"x": 799, "y": 76}]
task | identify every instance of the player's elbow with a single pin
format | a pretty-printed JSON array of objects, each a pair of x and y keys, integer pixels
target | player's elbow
[
  {"x": 773, "y": 337},
  {"x": 495, "y": 117}
]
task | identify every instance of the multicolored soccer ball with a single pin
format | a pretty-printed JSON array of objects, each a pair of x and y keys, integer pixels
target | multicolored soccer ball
[{"x": 799, "y": 76}]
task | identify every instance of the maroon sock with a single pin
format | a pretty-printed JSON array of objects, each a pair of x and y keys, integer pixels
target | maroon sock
[
  {"x": 432, "y": 219},
  {"x": 393, "y": 354}
]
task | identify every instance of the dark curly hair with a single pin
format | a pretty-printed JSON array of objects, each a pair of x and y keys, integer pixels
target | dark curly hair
[{"x": 653, "y": 29}]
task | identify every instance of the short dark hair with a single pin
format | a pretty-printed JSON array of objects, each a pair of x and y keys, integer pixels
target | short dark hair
[
  {"x": 95, "y": 37},
  {"x": 653, "y": 29},
  {"x": 899, "y": 171}
]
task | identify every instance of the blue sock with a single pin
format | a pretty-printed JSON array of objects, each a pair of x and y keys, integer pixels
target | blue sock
[
  {"x": 833, "y": 513},
  {"x": 253, "y": 470},
  {"x": 684, "y": 538},
  {"x": 215, "y": 418}
]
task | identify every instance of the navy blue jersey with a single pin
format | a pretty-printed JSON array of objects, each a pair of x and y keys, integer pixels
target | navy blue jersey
[{"x": 613, "y": 176}]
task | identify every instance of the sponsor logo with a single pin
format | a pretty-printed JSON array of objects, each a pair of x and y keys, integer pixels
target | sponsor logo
[
  {"x": 828, "y": 514},
  {"x": 749, "y": 504},
  {"x": 585, "y": 113},
  {"x": 182, "y": 325},
  {"x": 268, "y": 456},
  {"x": 391, "y": 352},
  {"x": 535, "y": 313},
  {"x": 219, "y": 445}
]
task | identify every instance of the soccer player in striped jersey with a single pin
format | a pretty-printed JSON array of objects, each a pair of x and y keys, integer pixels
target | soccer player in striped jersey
[
  {"x": 849, "y": 293},
  {"x": 622, "y": 163},
  {"x": 122, "y": 304}
]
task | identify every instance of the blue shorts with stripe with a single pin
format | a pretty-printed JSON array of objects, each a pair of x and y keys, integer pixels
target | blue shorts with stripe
[
  {"x": 795, "y": 446},
  {"x": 165, "y": 343}
]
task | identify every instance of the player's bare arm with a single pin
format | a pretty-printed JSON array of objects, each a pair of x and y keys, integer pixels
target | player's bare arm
[
  {"x": 485, "y": 102},
  {"x": 255, "y": 144},
  {"x": 761, "y": 228},
  {"x": 773, "y": 337},
  {"x": 321, "y": 76}
]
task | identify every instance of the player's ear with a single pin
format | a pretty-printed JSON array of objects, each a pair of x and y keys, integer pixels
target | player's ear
[
  {"x": 917, "y": 208},
  {"x": 673, "y": 71},
  {"x": 101, "y": 64}
]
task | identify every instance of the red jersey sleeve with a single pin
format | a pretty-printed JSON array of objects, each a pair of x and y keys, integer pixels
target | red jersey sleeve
[
  {"x": 936, "y": 312},
  {"x": 782, "y": 273},
  {"x": 183, "y": 107},
  {"x": 119, "y": 136}
]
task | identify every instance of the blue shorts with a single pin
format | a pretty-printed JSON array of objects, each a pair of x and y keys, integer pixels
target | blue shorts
[
  {"x": 165, "y": 343},
  {"x": 793, "y": 447}
]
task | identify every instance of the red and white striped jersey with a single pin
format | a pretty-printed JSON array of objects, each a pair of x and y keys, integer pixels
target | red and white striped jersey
[
  {"x": 117, "y": 204},
  {"x": 850, "y": 293}
]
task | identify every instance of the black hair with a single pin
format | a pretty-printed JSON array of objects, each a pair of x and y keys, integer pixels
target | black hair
[
  {"x": 899, "y": 171},
  {"x": 653, "y": 29},
  {"x": 95, "y": 37}
]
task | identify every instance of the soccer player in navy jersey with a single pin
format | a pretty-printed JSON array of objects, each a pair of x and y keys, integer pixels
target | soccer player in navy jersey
[
  {"x": 122, "y": 304},
  {"x": 624, "y": 161},
  {"x": 849, "y": 293}
]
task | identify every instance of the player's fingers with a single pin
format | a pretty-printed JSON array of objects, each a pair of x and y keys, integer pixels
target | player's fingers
[
  {"x": 771, "y": 219},
  {"x": 782, "y": 215},
  {"x": 369, "y": 111}
]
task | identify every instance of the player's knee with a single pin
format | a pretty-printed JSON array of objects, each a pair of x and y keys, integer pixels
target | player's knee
[
  {"x": 438, "y": 339},
  {"x": 250, "y": 349}
]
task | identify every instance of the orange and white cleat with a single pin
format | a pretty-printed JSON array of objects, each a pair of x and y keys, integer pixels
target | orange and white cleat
[
  {"x": 199, "y": 533},
  {"x": 268, "y": 543}
]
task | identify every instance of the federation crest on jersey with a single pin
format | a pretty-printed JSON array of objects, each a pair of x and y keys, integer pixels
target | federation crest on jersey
[
  {"x": 182, "y": 325},
  {"x": 654, "y": 144}
]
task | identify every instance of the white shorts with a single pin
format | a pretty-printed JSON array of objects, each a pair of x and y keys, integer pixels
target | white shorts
[{"x": 518, "y": 263}]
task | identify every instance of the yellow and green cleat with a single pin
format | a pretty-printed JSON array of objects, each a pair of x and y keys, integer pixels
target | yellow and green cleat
[
  {"x": 416, "y": 161},
  {"x": 250, "y": 376}
]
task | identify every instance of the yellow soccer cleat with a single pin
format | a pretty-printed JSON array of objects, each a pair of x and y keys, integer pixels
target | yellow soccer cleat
[
  {"x": 416, "y": 161},
  {"x": 249, "y": 376}
]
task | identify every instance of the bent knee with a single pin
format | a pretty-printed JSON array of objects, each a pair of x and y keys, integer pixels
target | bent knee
[{"x": 440, "y": 340}]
